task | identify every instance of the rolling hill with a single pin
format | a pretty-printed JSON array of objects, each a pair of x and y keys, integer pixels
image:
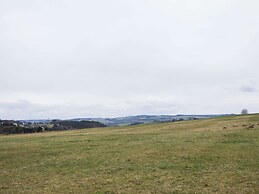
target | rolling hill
[{"x": 217, "y": 155}]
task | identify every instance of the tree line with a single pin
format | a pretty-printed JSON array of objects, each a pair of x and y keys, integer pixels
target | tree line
[{"x": 17, "y": 127}]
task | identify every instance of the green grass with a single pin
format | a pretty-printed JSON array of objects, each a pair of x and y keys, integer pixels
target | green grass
[{"x": 206, "y": 156}]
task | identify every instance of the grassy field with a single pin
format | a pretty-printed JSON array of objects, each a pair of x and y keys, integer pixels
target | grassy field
[{"x": 204, "y": 156}]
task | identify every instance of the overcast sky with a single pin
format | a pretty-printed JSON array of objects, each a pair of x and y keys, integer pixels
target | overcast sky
[{"x": 99, "y": 58}]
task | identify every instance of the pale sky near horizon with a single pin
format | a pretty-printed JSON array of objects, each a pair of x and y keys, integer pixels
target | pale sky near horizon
[{"x": 82, "y": 58}]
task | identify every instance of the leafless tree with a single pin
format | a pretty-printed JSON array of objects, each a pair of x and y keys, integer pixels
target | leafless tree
[{"x": 244, "y": 111}]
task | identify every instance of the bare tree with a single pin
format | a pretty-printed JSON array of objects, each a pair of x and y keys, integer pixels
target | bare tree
[{"x": 244, "y": 111}]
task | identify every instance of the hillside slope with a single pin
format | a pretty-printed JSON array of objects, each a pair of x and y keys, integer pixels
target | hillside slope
[{"x": 217, "y": 155}]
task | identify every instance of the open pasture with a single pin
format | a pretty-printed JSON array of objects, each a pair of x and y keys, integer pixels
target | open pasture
[{"x": 219, "y": 155}]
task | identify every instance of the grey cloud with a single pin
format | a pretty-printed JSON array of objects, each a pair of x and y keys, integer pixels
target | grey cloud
[
  {"x": 104, "y": 53},
  {"x": 24, "y": 109},
  {"x": 249, "y": 86}
]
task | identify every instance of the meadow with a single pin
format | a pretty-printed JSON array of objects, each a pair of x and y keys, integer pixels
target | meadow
[{"x": 219, "y": 155}]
